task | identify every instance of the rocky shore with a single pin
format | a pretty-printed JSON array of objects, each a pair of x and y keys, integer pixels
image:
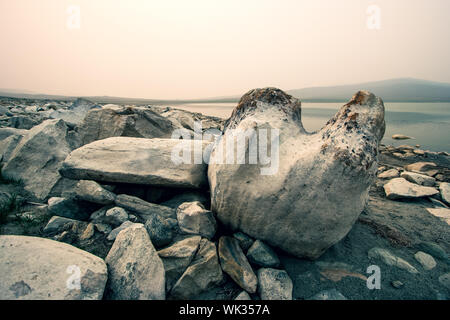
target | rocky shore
[{"x": 92, "y": 207}]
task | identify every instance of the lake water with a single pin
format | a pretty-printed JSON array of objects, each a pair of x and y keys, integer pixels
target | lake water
[{"x": 428, "y": 123}]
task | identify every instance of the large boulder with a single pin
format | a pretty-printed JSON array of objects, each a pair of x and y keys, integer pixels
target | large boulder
[
  {"x": 42, "y": 269},
  {"x": 136, "y": 160},
  {"x": 136, "y": 272},
  {"x": 309, "y": 192},
  {"x": 116, "y": 121},
  {"x": 38, "y": 156}
]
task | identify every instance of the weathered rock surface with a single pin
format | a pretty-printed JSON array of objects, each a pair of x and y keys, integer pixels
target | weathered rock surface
[
  {"x": 400, "y": 188},
  {"x": 319, "y": 182},
  {"x": 68, "y": 208},
  {"x": 116, "y": 216},
  {"x": 113, "y": 234},
  {"x": 42, "y": 269},
  {"x": 136, "y": 160},
  {"x": 160, "y": 230},
  {"x": 91, "y": 191},
  {"x": 38, "y": 156},
  {"x": 243, "y": 296},
  {"x": 235, "y": 264},
  {"x": 418, "y": 178},
  {"x": 143, "y": 208},
  {"x": 203, "y": 273},
  {"x": 444, "y": 188},
  {"x": 262, "y": 255},
  {"x": 391, "y": 260},
  {"x": 177, "y": 258},
  {"x": 244, "y": 241},
  {"x": 428, "y": 168},
  {"x": 425, "y": 260},
  {"x": 442, "y": 213},
  {"x": 389, "y": 174},
  {"x": 135, "y": 270},
  {"x": 274, "y": 284},
  {"x": 57, "y": 224},
  {"x": 193, "y": 218}
]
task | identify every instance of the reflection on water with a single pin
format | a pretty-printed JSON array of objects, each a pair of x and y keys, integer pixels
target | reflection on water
[{"x": 428, "y": 123}]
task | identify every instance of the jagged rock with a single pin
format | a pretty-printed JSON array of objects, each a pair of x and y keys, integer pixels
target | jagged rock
[
  {"x": 274, "y": 284},
  {"x": 400, "y": 188},
  {"x": 117, "y": 121},
  {"x": 116, "y": 216},
  {"x": 42, "y": 269},
  {"x": 243, "y": 296},
  {"x": 290, "y": 202},
  {"x": 244, "y": 240},
  {"x": 203, "y": 274},
  {"x": 429, "y": 168},
  {"x": 159, "y": 230},
  {"x": 418, "y": 178},
  {"x": 235, "y": 264},
  {"x": 177, "y": 258},
  {"x": 143, "y": 208},
  {"x": 38, "y": 156},
  {"x": 136, "y": 272},
  {"x": 68, "y": 208},
  {"x": 391, "y": 260},
  {"x": 425, "y": 260},
  {"x": 113, "y": 234},
  {"x": 75, "y": 113},
  {"x": 193, "y": 218},
  {"x": 389, "y": 174},
  {"x": 262, "y": 255},
  {"x": 331, "y": 294},
  {"x": 136, "y": 160},
  {"x": 91, "y": 191},
  {"x": 444, "y": 188}
]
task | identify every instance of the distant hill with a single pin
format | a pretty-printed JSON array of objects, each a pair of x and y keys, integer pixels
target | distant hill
[{"x": 393, "y": 90}]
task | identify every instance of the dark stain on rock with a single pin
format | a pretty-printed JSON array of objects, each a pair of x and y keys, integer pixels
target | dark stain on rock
[{"x": 20, "y": 289}]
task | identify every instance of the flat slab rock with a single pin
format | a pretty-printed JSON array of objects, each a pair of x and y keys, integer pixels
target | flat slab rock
[
  {"x": 135, "y": 160},
  {"x": 399, "y": 188},
  {"x": 36, "y": 268}
]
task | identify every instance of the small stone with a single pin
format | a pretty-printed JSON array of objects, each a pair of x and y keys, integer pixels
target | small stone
[
  {"x": 103, "y": 228},
  {"x": 445, "y": 280},
  {"x": 113, "y": 234},
  {"x": 58, "y": 224},
  {"x": 235, "y": 264},
  {"x": 68, "y": 208},
  {"x": 388, "y": 174},
  {"x": 399, "y": 188},
  {"x": 331, "y": 294},
  {"x": 245, "y": 241},
  {"x": 397, "y": 284},
  {"x": 243, "y": 296},
  {"x": 262, "y": 255},
  {"x": 274, "y": 284},
  {"x": 418, "y": 178},
  {"x": 116, "y": 216},
  {"x": 91, "y": 191},
  {"x": 428, "y": 168},
  {"x": 401, "y": 137},
  {"x": 88, "y": 232},
  {"x": 425, "y": 260},
  {"x": 193, "y": 218},
  {"x": 160, "y": 231},
  {"x": 433, "y": 249},
  {"x": 391, "y": 260}
]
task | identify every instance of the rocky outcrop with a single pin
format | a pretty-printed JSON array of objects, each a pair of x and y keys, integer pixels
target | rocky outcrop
[
  {"x": 319, "y": 182},
  {"x": 42, "y": 269},
  {"x": 135, "y": 160},
  {"x": 135, "y": 270}
]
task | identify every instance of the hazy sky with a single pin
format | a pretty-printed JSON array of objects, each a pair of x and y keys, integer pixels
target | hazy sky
[{"x": 205, "y": 48}]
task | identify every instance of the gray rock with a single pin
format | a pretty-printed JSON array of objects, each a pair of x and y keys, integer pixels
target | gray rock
[
  {"x": 263, "y": 255},
  {"x": 397, "y": 284},
  {"x": 428, "y": 168},
  {"x": 103, "y": 228},
  {"x": 235, "y": 264},
  {"x": 444, "y": 188},
  {"x": 243, "y": 296},
  {"x": 126, "y": 160},
  {"x": 91, "y": 191},
  {"x": 113, "y": 234},
  {"x": 159, "y": 230},
  {"x": 391, "y": 260},
  {"x": 401, "y": 137},
  {"x": 193, "y": 218},
  {"x": 203, "y": 274},
  {"x": 68, "y": 208},
  {"x": 135, "y": 270},
  {"x": 22, "y": 122},
  {"x": 418, "y": 178},
  {"x": 399, "y": 188},
  {"x": 437, "y": 204},
  {"x": 425, "y": 260},
  {"x": 58, "y": 224},
  {"x": 42, "y": 269},
  {"x": 38, "y": 156},
  {"x": 7, "y": 147},
  {"x": 76, "y": 112},
  {"x": 177, "y": 258},
  {"x": 274, "y": 284},
  {"x": 142, "y": 208},
  {"x": 441, "y": 213},
  {"x": 116, "y": 216},
  {"x": 433, "y": 249},
  {"x": 290, "y": 202},
  {"x": 331, "y": 294},
  {"x": 244, "y": 240},
  {"x": 190, "y": 196},
  {"x": 116, "y": 121},
  {"x": 445, "y": 280},
  {"x": 6, "y": 132},
  {"x": 389, "y": 174}
]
